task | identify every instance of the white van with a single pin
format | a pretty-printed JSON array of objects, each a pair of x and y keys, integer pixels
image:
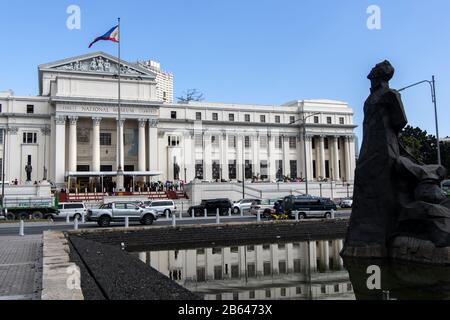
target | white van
[{"x": 74, "y": 210}]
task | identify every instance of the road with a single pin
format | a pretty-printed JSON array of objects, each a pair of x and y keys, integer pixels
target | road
[{"x": 36, "y": 228}]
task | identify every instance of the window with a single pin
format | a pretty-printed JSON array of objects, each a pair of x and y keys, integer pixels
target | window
[
  {"x": 268, "y": 294},
  {"x": 198, "y": 116},
  {"x": 248, "y": 169},
  {"x": 278, "y": 142},
  {"x": 279, "y": 168},
  {"x": 326, "y": 142},
  {"x": 199, "y": 169},
  {"x": 235, "y": 296},
  {"x": 283, "y": 292},
  {"x": 30, "y": 109},
  {"x": 250, "y": 248},
  {"x": 313, "y": 143},
  {"x": 215, "y": 117},
  {"x": 105, "y": 139},
  {"x": 293, "y": 167},
  {"x": 266, "y": 247},
  {"x": 232, "y": 173},
  {"x": 234, "y": 249},
  {"x": 201, "y": 274},
  {"x": 277, "y": 119},
  {"x": 323, "y": 289},
  {"x": 263, "y": 142},
  {"x": 292, "y": 143},
  {"x": 231, "y": 117},
  {"x": 316, "y": 120},
  {"x": 1, "y": 110},
  {"x": 282, "y": 267},
  {"x": 281, "y": 246},
  {"x": 218, "y": 273},
  {"x": 232, "y": 142},
  {"x": 200, "y": 252},
  {"x": 292, "y": 119},
  {"x": 217, "y": 251},
  {"x": 251, "y": 270},
  {"x": 262, "y": 118},
  {"x": 215, "y": 141},
  {"x": 216, "y": 170},
  {"x": 235, "y": 271},
  {"x": 267, "y": 269},
  {"x": 247, "y": 118},
  {"x": 336, "y": 288},
  {"x": 298, "y": 290},
  {"x": 247, "y": 142},
  {"x": 264, "y": 170},
  {"x": 329, "y": 120},
  {"x": 252, "y": 295},
  {"x": 2, "y": 132},
  {"x": 29, "y": 137},
  {"x": 349, "y": 287},
  {"x": 174, "y": 141},
  {"x": 341, "y": 121},
  {"x": 173, "y": 115},
  {"x": 199, "y": 140},
  {"x": 297, "y": 266}
]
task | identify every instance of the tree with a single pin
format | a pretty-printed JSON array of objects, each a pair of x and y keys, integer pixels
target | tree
[
  {"x": 423, "y": 146},
  {"x": 190, "y": 95}
]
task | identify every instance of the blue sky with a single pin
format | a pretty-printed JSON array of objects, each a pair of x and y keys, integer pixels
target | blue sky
[{"x": 265, "y": 51}]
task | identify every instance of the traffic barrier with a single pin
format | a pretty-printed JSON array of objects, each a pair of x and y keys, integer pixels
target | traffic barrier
[
  {"x": 22, "y": 228},
  {"x": 230, "y": 212},
  {"x": 258, "y": 217},
  {"x": 181, "y": 215},
  {"x": 218, "y": 216},
  {"x": 67, "y": 218},
  {"x": 174, "y": 221},
  {"x": 206, "y": 213},
  {"x": 127, "y": 222},
  {"x": 296, "y": 216},
  {"x": 83, "y": 218},
  {"x": 332, "y": 214},
  {"x": 75, "y": 224}
]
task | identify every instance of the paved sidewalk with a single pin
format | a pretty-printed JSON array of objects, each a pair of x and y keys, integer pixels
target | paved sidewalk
[{"x": 20, "y": 267}]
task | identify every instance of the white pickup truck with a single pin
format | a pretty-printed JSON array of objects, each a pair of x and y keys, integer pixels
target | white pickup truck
[{"x": 119, "y": 211}]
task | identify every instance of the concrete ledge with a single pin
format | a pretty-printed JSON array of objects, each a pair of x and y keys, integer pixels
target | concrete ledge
[
  {"x": 418, "y": 250},
  {"x": 59, "y": 275}
]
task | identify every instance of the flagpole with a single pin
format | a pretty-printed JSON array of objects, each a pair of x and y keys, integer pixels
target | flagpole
[{"x": 120, "y": 175}]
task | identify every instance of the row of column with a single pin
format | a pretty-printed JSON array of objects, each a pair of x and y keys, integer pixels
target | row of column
[
  {"x": 60, "y": 146},
  {"x": 344, "y": 171}
]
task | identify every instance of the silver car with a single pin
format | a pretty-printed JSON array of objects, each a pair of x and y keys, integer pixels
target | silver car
[
  {"x": 161, "y": 207},
  {"x": 244, "y": 205},
  {"x": 119, "y": 211}
]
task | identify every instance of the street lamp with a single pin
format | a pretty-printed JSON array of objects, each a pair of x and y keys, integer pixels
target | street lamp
[
  {"x": 303, "y": 120},
  {"x": 432, "y": 84}
]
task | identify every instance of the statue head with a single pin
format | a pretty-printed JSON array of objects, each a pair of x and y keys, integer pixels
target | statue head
[{"x": 381, "y": 74}]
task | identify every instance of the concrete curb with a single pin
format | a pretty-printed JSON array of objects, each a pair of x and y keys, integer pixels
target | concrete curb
[{"x": 60, "y": 278}]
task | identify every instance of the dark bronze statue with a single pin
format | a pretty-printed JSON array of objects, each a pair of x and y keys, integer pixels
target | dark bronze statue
[
  {"x": 28, "y": 170},
  {"x": 397, "y": 200}
]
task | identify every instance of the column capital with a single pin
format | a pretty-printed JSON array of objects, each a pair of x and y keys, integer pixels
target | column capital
[
  {"x": 142, "y": 123},
  {"x": 153, "y": 123},
  {"x": 13, "y": 130},
  {"x": 97, "y": 121},
  {"x": 46, "y": 131},
  {"x": 73, "y": 120},
  {"x": 121, "y": 122},
  {"x": 60, "y": 120}
]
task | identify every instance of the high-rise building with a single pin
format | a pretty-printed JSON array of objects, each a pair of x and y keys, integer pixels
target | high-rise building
[{"x": 164, "y": 80}]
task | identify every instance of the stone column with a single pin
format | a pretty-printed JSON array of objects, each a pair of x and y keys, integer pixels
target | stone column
[
  {"x": 271, "y": 162},
  {"x": 309, "y": 158},
  {"x": 300, "y": 158},
  {"x": 347, "y": 159},
  {"x": 352, "y": 159},
  {"x": 239, "y": 156},
  {"x": 153, "y": 144},
  {"x": 60, "y": 150},
  {"x": 142, "y": 163},
  {"x": 73, "y": 144},
  {"x": 286, "y": 158},
  {"x": 256, "y": 162},
  {"x": 322, "y": 157},
  {"x": 96, "y": 122},
  {"x": 324, "y": 254},
  {"x": 336, "y": 176},
  {"x": 224, "y": 157},
  {"x": 207, "y": 167}
]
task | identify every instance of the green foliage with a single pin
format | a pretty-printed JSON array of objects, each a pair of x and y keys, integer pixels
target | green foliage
[{"x": 423, "y": 146}]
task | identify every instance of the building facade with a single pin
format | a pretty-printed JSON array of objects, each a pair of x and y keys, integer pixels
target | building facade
[{"x": 72, "y": 127}]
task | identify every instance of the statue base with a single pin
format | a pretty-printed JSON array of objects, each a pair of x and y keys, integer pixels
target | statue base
[{"x": 120, "y": 181}]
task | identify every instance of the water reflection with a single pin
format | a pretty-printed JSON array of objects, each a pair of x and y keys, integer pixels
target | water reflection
[
  {"x": 400, "y": 280},
  {"x": 296, "y": 270}
]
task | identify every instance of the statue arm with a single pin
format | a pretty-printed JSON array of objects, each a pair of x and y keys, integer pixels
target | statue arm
[{"x": 396, "y": 110}]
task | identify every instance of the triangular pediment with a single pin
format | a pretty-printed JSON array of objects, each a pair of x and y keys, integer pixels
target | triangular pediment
[{"x": 97, "y": 63}]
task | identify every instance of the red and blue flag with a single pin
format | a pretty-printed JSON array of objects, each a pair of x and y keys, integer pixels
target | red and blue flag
[{"x": 111, "y": 35}]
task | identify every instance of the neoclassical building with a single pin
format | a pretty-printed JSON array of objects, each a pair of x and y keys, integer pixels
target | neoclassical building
[{"x": 71, "y": 131}]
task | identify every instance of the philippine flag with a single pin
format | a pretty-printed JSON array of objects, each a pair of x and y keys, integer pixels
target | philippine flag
[{"x": 111, "y": 35}]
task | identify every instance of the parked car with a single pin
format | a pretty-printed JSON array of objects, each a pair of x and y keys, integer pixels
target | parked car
[
  {"x": 265, "y": 207},
  {"x": 308, "y": 207},
  {"x": 346, "y": 203},
  {"x": 446, "y": 187},
  {"x": 73, "y": 210},
  {"x": 162, "y": 207},
  {"x": 118, "y": 211},
  {"x": 244, "y": 205},
  {"x": 224, "y": 205}
]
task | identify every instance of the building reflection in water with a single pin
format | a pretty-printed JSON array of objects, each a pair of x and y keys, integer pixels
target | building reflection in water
[{"x": 297, "y": 270}]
